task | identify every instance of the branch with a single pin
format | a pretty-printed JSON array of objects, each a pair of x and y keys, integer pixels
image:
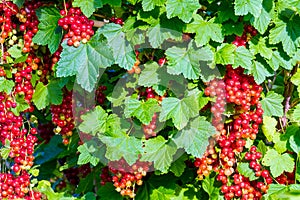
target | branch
[{"x": 99, "y": 24}]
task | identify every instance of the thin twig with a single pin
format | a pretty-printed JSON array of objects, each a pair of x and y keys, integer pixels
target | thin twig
[{"x": 98, "y": 24}]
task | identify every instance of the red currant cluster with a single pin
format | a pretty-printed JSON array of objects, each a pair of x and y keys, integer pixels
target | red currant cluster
[
  {"x": 117, "y": 20},
  {"x": 149, "y": 130},
  {"x": 8, "y": 11},
  {"x": 243, "y": 94},
  {"x": 30, "y": 23},
  {"x": 78, "y": 26},
  {"x": 100, "y": 96},
  {"x": 74, "y": 174},
  {"x": 249, "y": 31},
  {"x": 286, "y": 178},
  {"x": 62, "y": 117},
  {"x": 12, "y": 187},
  {"x": 105, "y": 176},
  {"x": 126, "y": 177}
]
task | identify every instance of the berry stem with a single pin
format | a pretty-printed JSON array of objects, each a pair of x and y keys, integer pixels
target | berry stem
[{"x": 98, "y": 24}]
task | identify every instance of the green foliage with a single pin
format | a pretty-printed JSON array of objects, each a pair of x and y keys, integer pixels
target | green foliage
[
  {"x": 271, "y": 104},
  {"x": 49, "y": 32}
]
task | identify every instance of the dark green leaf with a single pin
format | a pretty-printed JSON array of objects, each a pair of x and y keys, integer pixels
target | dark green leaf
[
  {"x": 211, "y": 189},
  {"x": 19, "y": 3},
  {"x": 85, "y": 61},
  {"x": 108, "y": 192},
  {"x": 49, "y": 32},
  {"x": 87, "y": 151},
  {"x": 179, "y": 165}
]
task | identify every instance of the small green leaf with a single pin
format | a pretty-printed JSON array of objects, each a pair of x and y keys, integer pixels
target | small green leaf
[
  {"x": 180, "y": 111},
  {"x": 122, "y": 52},
  {"x": 225, "y": 54},
  {"x": 259, "y": 72},
  {"x": 16, "y": 52},
  {"x": 194, "y": 138},
  {"x": 122, "y": 145},
  {"x": 162, "y": 193},
  {"x": 244, "y": 169},
  {"x": 88, "y": 7},
  {"x": 205, "y": 30},
  {"x": 49, "y": 32},
  {"x": 243, "y": 7},
  {"x": 6, "y": 85},
  {"x": 4, "y": 152},
  {"x": 87, "y": 153},
  {"x": 243, "y": 57},
  {"x": 296, "y": 113},
  {"x": 187, "y": 61},
  {"x": 149, "y": 5},
  {"x": 269, "y": 127},
  {"x": 94, "y": 121},
  {"x": 45, "y": 95},
  {"x": 22, "y": 105},
  {"x": 179, "y": 165},
  {"x": 259, "y": 46},
  {"x": 211, "y": 189},
  {"x": 184, "y": 10},
  {"x": 19, "y": 3},
  {"x": 149, "y": 76},
  {"x": 144, "y": 111},
  {"x": 277, "y": 61},
  {"x": 159, "y": 151},
  {"x": 295, "y": 142},
  {"x": 262, "y": 21},
  {"x": 278, "y": 163},
  {"x": 271, "y": 104}
]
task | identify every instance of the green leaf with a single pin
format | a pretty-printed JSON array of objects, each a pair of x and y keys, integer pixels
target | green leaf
[
  {"x": 123, "y": 53},
  {"x": 144, "y": 111},
  {"x": 4, "y": 152},
  {"x": 19, "y": 3},
  {"x": 275, "y": 189},
  {"x": 158, "y": 35},
  {"x": 149, "y": 5},
  {"x": 187, "y": 61},
  {"x": 149, "y": 75},
  {"x": 296, "y": 113},
  {"x": 16, "y": 52},
  {"x": 280, "y": 144},
  {"x": 296, "y": 78},
  {"x": 85, "y": 61},
  {"x": 179, "y": 165},
  {"x": 259, "y": 46},
  {"x": 278, "y": 163},
  {"x": 180, "y": 111},
  {"x": 277, "y": 61},
  {"x": 49, "y": 32},
  {"x": 243, "y": 7},
  {"x": 162, "y": 193},
  {"x": 208, "y": 185},
  {"x": 295, "y": 142},
  {"x": 244, "y": 169},
  {"x": 122, "y": 145},
  {"x": 194, "y": 138},
  {"x": 88, "y": 7},
  {"x": 262, "y": 21},
  {"x": 87, "y": 151},
  {"x": 205, "y": 30},
  {"x": 45, "y": 95},
  {"x": 225, "y": 54},
  {"x": 287, "y": 33},
  {"x": 22, "y": 105},
  {"x": 118, "y": 96},
  {"x": 6, "y": 85},
  {"x": 159, "y": 151},
  {"x": 259, "y": 72},
  {"x": 184, "y": 10},
  {"x": 272, "y": 104},
  {"x": 261, "y": 147},
  {"x": 269, "y": 127},
  {"x": 242, "y": 57},
  {"x": 108, "y": 192},
  {"x": 94, "y": 121}
]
